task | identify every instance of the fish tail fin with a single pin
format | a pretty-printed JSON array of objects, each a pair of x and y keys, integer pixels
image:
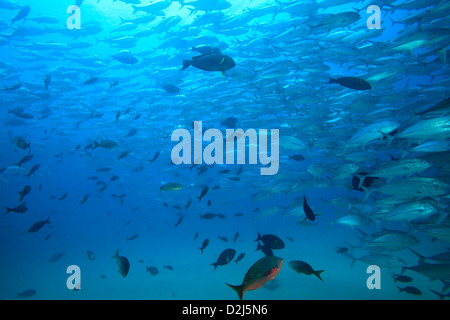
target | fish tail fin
[
  {"x": 353, "y": 260},
  {"x": 259, "y": 237},
  {"x": 116, "y": 255},
  {"x": 367, "y": 194},
  {"x": 7, "y": 210},
  {"x": 48, "y": 220},
  {"x": 214, "y": 265},
  {"x": 237, "y": 289},
  {"x": 258, "y": 247},
  {"x": 96, "y": 145},
  {"x": 332, "y": 80},
  {"x": 446, "y": 285},
  {"x": 186, "y": 63},
  {"x": 400, "y": 289},
  {"x": 440, "y": 295},
  {"x": 199, "y": 198},
  {"x": 29, "y": 147},
  {"x": 317, "y": 274},
  {"x": 421, "y": 257},
  {"x": 201, "y": 250},
  {"x": 361, "y": 178},
  {"x": 135, "y": 9}
]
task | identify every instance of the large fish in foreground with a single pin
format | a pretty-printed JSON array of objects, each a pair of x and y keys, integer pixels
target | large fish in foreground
[
  {"x": 263, "y": 270},
  {"x": 210, "y": 62}
]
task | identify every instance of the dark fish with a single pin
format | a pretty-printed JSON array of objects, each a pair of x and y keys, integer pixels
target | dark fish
[
  {"x": 21, "y": 208},
  {"x": 33, "y": 170},
  {"x": 125, "y": 57},
  {"x": 123, "y": 263},
  {"x": 123, "y": 155},
  {"x": 352, "y": 83},
  {"x": 25, "y": 115},
  {"x": 13, "y": 88},
  {"x": 38, "y": 225},
  {"x": 26, "y": 190},
  {"x": 196, "y": 235},
  {"x": 117, "y": 116},
  {"x": 240, "y": 257},
  {"x": 230, "y": 122},
  {"x": 86, "y": 196},
  {"x": 401, "y": 278},
  {"x": 107, "y": 144},
  {"x": 210, "y": 62},
  {"x": 224, "y": 239},
  {"x": 114, "y": 178},
  {"x": 179, "y": 221},
  {"x": 443, "y": 105},
  {"x": 224, "y": 258},
  {"x": 204, "y": 245},
  {"x": 170, "y": 88},
  {"x": 24, "y": 11},
  {"x": 188, "y": 203},
  {"x": 303, "y": 267},
  {"x": 90, "y": 255},
  {"x": 297, "y": 157},
  {"x": 209, "y": 203},
  {"x": 410, "y": 290},
  {"x": 307, "y": 210},
  {"x": 155, "y": 156},
  {"x": 208, "y": 216},
  {"x": 260, "y": 272},
  {"x": 236, "y": 235},
  {"x": 22, "y": 144},
  {"x": 239, "y": 214},
  {"x": 270, "y": 240},
  {"x": 24, "y": 160},
  {"x": 342, "y": 250},
  {"x": 63, "y": 196},
  {"x": 47, "y": 81},
  {"x": 135, "y": 236},
  {"x": 27, "y": 293},
  {"x": 91, "y": 80},
  {"x": 153, "y": 270},
  {"x": 131, "y": 133},
  {"x": 203, "y": 193},
  {"x": 56, "y": 256},
  {"x": 168, "y": 267},
  {"x": 265, "y": 249}
]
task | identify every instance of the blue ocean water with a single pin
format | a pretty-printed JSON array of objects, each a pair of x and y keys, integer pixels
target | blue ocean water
[{"x": 99, "y": 126}]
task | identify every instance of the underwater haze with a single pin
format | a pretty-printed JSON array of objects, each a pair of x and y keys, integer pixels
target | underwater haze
[{"x": 348, "y": 104}]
